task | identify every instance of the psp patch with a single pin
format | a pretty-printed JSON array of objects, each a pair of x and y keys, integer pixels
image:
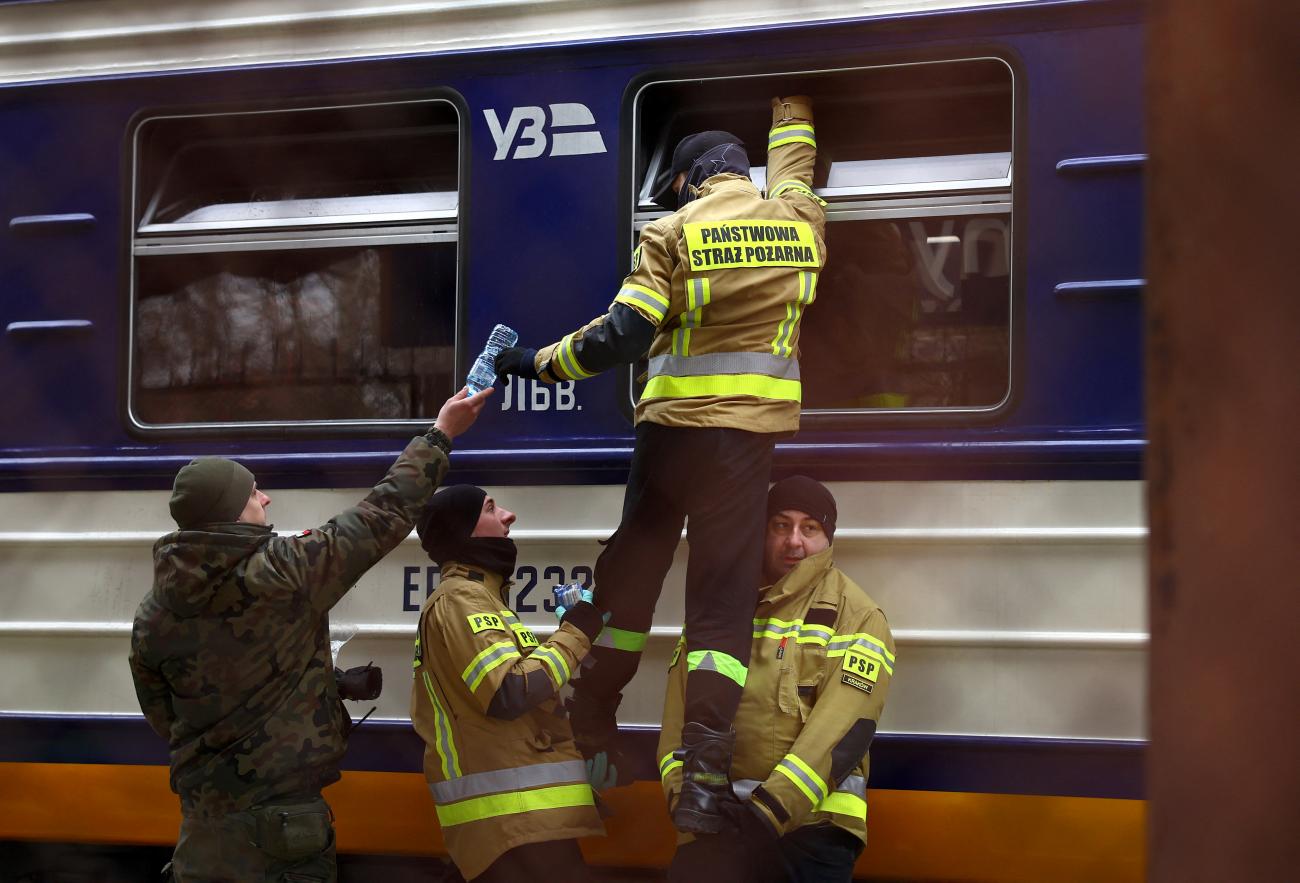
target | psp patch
[
  {"x": 856, "y": 683},
  {"x": 862, "y": 665},
  {"x": 483, "y": 622},
  {"x": 525, "y": 637}
]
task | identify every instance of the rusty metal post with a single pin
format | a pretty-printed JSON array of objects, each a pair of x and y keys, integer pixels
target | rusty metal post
[{"x": 1223, "y": 405}]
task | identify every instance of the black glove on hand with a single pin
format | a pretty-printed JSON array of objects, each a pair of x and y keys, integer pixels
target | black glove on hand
[
  {"x": 519, "y": 361},
  {"x": 586, "y": 618},
  {"x": 747, "y": 820},
  {"x": 360, "y": 683}
]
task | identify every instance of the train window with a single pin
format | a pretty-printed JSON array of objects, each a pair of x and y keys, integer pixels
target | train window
[
  {"x": 295, "y": 267},
  {"x": 913, "y": 310}
]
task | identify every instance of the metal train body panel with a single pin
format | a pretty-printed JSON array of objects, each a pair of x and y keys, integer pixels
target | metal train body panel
[{"x": 1005, "y": 541}]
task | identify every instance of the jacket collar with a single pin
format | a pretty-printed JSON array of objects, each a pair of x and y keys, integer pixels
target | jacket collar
[
  {"x": 727, "y": 181},
  {"x": 802, "y": 577},
  {"x": 494, "y": 582}
]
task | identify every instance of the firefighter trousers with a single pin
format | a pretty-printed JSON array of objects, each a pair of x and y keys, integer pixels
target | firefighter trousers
[
  {"x": 715, "y": 480},
  {"x": 811, "y": 854},
  {"x": 549, "y": 860}
]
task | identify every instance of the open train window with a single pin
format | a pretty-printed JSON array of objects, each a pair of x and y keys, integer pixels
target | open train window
[
  {"x": 913, "y": 310},
  {"x": 295, "y": 267}
]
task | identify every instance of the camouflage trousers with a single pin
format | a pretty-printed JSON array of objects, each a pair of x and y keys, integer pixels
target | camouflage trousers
[{"x": 276, "y": 843}]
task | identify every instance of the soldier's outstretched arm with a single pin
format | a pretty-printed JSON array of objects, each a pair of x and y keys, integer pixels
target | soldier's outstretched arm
[
  {"x": 328, "y": 560},
  {"x": 839, "y": 731},
  {"x": 482, "y": 645},
  {"x": 621, "y": 335}
]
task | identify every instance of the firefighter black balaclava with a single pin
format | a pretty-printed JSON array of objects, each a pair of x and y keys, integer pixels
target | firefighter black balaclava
[
  {"x": 700, "y": 156},
  {"x": 445, "y": 525}
]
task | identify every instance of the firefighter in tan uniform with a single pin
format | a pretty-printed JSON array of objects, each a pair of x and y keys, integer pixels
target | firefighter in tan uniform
[
  {"x": 714, "y": 298},
  {"x": 822, "y": 660},
  {"x": 510, "y": 786}
]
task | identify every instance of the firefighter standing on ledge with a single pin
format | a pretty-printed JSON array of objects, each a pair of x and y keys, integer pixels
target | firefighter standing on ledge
[{"x": 714, "y": 297}]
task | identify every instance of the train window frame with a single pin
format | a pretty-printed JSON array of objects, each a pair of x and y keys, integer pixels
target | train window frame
[
  {"x": 873, "y": 202},
  {"x": 438, "y": 221}
]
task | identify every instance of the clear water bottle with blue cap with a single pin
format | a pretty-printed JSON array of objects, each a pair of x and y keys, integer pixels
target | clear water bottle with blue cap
[{"x": 484, "y": 373}]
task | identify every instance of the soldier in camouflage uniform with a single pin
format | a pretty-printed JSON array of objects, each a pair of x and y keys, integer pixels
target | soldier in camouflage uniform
[{"x": 231, "y": 658}]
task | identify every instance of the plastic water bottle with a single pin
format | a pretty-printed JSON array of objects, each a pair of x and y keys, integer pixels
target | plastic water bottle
[
  {"x": 484, "y": 373},
  {"x": 567, "y": 596}
]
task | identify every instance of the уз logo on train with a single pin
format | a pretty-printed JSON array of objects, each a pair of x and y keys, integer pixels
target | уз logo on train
[{"x": 529, "y": 131}]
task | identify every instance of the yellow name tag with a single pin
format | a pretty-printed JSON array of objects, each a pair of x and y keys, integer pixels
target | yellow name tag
[
  {"x": 858, "y": 663},
  {"x": 482, "y": 622},
  {"x": 524, "y": 637},
  {"x": 719, "y": 245}
]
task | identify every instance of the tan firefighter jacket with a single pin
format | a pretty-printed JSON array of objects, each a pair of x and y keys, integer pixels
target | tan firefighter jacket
[
  {"x": 497, "y": 783},
  {"x": 822, "y": 660},
  {"x": 724, "y": 281}
]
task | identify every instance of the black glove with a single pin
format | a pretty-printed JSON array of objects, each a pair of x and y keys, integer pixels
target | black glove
[
  {"x": 586, "y": 618},
  {"x": 519, "y": 361},
  {"x": 361, "y": 683}
]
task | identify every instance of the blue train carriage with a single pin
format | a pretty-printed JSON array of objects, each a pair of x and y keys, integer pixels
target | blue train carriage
[{"x": 294, "y": 261}]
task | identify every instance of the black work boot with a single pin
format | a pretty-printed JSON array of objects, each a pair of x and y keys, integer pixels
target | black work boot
[{"x": 706, "y": 779}]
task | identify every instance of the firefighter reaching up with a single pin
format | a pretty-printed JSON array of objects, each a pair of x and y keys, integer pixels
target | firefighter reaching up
[{"x": 714, "y": 299}]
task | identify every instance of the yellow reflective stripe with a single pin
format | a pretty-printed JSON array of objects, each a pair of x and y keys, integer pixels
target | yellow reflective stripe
[
  {"x": 803, "y": 633},
  {"x": 646, "y": 298},
  {"x": 555, "y": 662},
  {"x": 797, "y": 186},
  {"x": 845, "y": 804},
  {"x": 667, "y": 764},
  {"x": 569, "y": 361},
  {"x": 718, "y": 662},
  {"x": 493, "y": 656},
  {"x": 781, "y": 344},
  {"x": 443, "y": 742},
  {"x": 796, "y": 133},
  {"x": 667, "y": 387},
  {"x": 816, "y": 780},
  {"x": 476, "y": 809},
  {"x": 799, "y": 783}
]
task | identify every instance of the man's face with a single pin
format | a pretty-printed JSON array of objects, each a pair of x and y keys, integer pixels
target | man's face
[
  {"x": 493, "y": 521},
  {"x": 255, "y": 509},
  {"x": 791, "y": 537}
]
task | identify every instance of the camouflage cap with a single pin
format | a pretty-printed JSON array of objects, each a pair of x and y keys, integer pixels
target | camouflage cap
[{"x": 210, "y": 490}]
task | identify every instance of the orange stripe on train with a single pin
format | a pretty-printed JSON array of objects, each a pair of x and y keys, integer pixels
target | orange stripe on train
[{"x": 914, "y": 835}]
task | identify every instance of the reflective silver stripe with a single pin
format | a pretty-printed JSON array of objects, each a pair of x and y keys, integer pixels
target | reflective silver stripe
[
  {"x": 487, "y": 663},
  {"x": 725, "y": 363},
  {"x": 655, "y": 306},
  {"x": 793, "y": 769},
  {"x": 516, "y": 779},
  {"x": 859, "y": 642},
  {"x": 855, "y": 785}
]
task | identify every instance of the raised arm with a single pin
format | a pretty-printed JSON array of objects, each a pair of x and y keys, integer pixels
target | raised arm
[
  {"x": 328, "y": 560},
  {"x": 792, "y": 154}
]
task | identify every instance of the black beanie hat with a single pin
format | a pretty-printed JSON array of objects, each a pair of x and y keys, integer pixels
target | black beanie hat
[
  {"x": 210, "y": 490},
  {"x": 448, "y": 520},
  {"x": 687, "y": 151},
  {"x": 803, "y": 494}
]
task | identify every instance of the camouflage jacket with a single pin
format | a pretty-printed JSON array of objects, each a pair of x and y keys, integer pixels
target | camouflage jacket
[{"x": 230, "y": 651}]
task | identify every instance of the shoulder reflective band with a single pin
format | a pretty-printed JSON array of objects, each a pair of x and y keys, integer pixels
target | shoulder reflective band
[
  {"x": 723, "y": 386},
  {"x": 799, "y": 133},
  {"x": 796, "y": 186},
  {"x": 512, "y": 779},
  {"x": 493, "y": 656},
  {"x": 803, "y": 633},
  {"x": 863, "y": 643},
  {"x": 568, "y": 360},
  {"x": 697, "y": 296},
  {"x": 444, "y": 744},
  {"x": 555, "y": 662},
  {"x": 804, "y": 778},
  {"x": 713, "y": 245},
  {"x": 509, "y": 616},
  {"x": 620, "y": 639},
  {"x": 782, "y": 345},
  {"x": 667, "y": 764},
  {"x": 716, "y": 661},
  {"x": 645, "y": 300}
]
